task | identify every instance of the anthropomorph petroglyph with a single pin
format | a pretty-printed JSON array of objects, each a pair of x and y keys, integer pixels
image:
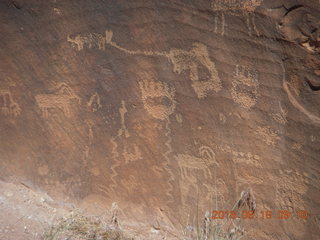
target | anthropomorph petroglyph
[
  {"x": 203, "y": 163},
  {"x": 60, "y": 99},
  {"x": 158, "y": 98},
  {"x": 238, "y": 8},
  {"x": 194, "y": 60},
  {"x": 94, "y": 102},
  {"x": 9, "y": 106},
  {"x": 123, "y": 130},
  {"x": 245, "y": 87}
]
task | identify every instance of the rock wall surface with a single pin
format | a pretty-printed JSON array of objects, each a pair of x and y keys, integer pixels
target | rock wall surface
[{"x": 165, "y": 106}]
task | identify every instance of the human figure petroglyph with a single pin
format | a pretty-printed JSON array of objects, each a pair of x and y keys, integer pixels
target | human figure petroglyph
[
  {"x": 182, "y": 60},
  {"x": 9, "y": 106},
  {"x": 238, "y": 8},
  {"x": 94, "y": 102},
  {"x": 123, "y": 130},
  {"x": 158, "y": 98},
  {"x": 159, "y": 101},
  {"x": 204, "y": 162},
  {"x": 245, "y": 86},
  {"x": 61, "y": 99}
]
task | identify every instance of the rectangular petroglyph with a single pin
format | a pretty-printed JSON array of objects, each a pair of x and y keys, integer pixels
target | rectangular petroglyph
[{"x": 245, "y": 86}]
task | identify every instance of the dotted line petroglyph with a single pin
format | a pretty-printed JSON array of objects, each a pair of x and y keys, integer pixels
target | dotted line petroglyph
[
  {"x": 245, "y": 87},
  {"x": 60, "y": 99}
]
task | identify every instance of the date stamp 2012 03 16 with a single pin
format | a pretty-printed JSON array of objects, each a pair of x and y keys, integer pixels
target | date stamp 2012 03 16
[{"x": 265, "y": 214}]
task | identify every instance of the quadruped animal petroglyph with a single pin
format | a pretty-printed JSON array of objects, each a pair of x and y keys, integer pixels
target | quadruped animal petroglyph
[
  {"x": 60, "y": 99},
  {"x": 238, "y": 8}
]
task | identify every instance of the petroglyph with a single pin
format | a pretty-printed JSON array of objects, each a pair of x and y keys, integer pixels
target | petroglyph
[
  {"x": 115, "y": 165},
  {"x": 203, "y": 163},
  {"x": 241, "y": 157},
  {"x": 280, "y": 117},
  {"x": 179, "y": 118},
  {"x": 192, "y": 60},
  {"x": 123, "y": 130},
  {"x": 182, "y": 60},
  {"x": 238, "y": 8},
  {"x": 131, "y": 156},
  {"x": 9, "y": 106},
  {"x": 315, "y": 119},
  {"x": 268, "y": 135},
  {"x": 222, "y": 118},
  {"x": 290, "y": 187},
  {"x": 89, "y": 40},
  {"x": 158, "y": 98},
  {"x": 245, "y": 87},
  {"x": 60, "y": 99},
  {"x": 94, "y": 102}
]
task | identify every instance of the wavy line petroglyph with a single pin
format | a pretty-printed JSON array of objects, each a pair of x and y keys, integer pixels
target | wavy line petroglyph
[
  {"x": 182, "y": 60},
  {"x": 203, "y": 163},
  {"x": 159, "y": 101},
  {"x": 245, "y": 87},
  {"x": 60, "y": 99},
  {"x": 94, "y": 102},
  {"x": 238, "y": 8},
  {"x": 123, "y": 130},
  {"x": 9, "y": 106},
  {"x": 268, "y": 135},
  {"x": 315, "y": 119}
]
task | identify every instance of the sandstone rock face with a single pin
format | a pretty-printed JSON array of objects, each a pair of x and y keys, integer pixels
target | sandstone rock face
[{"x": 165, "y": 106}]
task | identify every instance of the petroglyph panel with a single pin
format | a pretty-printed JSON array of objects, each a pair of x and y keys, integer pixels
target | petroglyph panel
[
  {"x": 268, "y": 135},
  {"x": 158, "y": 98},
  {"x": 60, "y": 99},
  {"x": 245, "y": 87},
  {"x": 182, "y": 60}
]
